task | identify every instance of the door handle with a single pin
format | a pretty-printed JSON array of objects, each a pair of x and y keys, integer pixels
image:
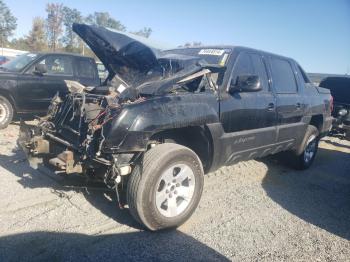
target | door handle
[
  {"x": 270, "y": 106},
  {"x": 298, "y": 105}
]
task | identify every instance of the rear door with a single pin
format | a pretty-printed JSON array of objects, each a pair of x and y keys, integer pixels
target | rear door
[
  {"x": 36, "y": 91},
  {"x": 290, "y": 106}
]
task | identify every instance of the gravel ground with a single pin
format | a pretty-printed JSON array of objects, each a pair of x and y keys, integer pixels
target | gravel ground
[{"x": 252, "y": 211}]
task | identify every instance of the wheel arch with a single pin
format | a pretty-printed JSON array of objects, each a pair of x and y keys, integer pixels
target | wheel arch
[
  {"x": 317, "y": 121},
  {"x": 197, "y": 138}
]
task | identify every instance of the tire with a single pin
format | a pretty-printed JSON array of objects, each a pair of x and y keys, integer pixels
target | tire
[
  {"x": 305, "y": 155},
  {"x": 6, "y": 112},
  {"x": 164, "y": 190}
]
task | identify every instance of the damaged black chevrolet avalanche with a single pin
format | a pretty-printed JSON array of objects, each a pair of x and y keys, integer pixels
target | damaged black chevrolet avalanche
[{"x": 164, "y": 118}]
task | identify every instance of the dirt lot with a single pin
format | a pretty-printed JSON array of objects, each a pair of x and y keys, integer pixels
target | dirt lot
[{"x": 255, "y": 210}]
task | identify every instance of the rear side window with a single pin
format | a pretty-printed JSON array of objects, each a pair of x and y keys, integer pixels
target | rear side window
[
  {"x": 86, "y": 68},
  {"x": 283, "y": 76}
]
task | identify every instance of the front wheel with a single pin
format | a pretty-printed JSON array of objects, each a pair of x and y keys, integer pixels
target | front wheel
[{"x": 165, "y": 189}]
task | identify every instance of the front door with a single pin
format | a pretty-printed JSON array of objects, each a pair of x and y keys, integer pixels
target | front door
[
  {"x": 249, "y": 118},
  {"x": 36, "y": 91}
]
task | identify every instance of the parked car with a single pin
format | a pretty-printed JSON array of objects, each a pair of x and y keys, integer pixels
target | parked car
[
  {"x": 3, "y": 60},
  {"x": 181, "y": 113},
  {"x": 340, "y": 90},
  {"x": 30, "y": 81}
]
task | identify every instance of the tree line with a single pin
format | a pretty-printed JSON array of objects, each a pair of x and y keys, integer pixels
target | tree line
[{"x": 54, "y": 32}]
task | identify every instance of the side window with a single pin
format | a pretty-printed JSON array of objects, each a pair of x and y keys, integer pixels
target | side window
[
  {"x": 58, "y": 65},
  {"x": 86, "y": 68},
  {"x": 303, "y": 74},
  {"x": 251, "y": 64},
  {"x": 283, "y": 76},
  {"x": 260, "y": 70},
  {"x": 243, "y": 66}
]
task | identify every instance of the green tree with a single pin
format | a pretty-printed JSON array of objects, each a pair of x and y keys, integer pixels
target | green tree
[
  {"x": 145, "y": 32},
  {"x": 8, "y": 23},
  {"x": 70, "y": 39},
  {"x": 54, "y": 22},
  {"x": 36, "y": 39},
  {"x": 19, "y": 43},
  {"x": 105, "y": 20}
]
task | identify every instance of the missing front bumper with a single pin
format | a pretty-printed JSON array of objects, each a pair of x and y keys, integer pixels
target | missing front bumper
[
  {"x": 37, "y": 150},
  {"x": 27, "y": 140}
]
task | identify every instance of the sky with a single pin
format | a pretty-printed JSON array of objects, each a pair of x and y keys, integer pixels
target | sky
[{"x": 315, "y": 33}]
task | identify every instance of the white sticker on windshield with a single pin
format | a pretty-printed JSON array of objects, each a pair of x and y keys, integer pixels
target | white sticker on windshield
[
  {"x": 223, "y": 60},
  {"x": 121, "y": 88},
  {"x": 31, "y": 55},
  {"x": 217, "y": 52}
]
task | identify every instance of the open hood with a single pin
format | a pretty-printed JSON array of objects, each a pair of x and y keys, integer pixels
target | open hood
[{"x": 121, "y": 53}]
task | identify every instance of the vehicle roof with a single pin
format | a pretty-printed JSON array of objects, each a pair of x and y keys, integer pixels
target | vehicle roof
[{"x": 234, "y": 48}]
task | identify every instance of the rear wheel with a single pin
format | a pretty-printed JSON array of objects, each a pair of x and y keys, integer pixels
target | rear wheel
[
  {"x": 304, "y": 157},
  {"x": 6, "y": 112},
  {"x": 165, "y": 189}
]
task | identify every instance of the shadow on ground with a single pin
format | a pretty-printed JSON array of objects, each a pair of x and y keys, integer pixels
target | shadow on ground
[
  {"x": 97, "y": 194},
  {"x": 334, "y": 143},
  {"x": 169, "y": 245},
  {"x": 140, "y": 246},
  {"x": 319, "y": 195}
]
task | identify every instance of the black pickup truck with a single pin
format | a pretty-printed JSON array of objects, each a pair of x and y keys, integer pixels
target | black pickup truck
[
  {"x": 172, "y": 116},
  {"x": 29, "y": 82}
]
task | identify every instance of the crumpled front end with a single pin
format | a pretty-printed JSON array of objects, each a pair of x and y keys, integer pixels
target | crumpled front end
[
  {"x": 89, "y": 130},
  {"x": 102, "y": 131},
  {"x": 74, "y": 123}
]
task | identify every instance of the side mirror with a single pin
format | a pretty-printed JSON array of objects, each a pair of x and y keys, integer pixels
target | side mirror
[
  {"x": 245, "y": 83},
  {"x": 40, "y": 69}
]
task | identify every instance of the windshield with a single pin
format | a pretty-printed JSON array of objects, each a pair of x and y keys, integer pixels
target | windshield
[
  {"x": 214, "y": 56},
  {"x": 19, "y": 62}
]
